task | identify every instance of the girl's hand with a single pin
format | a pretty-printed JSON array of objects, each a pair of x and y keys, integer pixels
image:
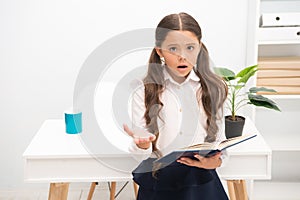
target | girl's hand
[
  {"x": 202, "y": 162},
  {"x": 144, "y": 142}
]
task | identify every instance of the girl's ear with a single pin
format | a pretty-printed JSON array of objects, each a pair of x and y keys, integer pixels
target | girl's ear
[{"x": 159, "y": 52}]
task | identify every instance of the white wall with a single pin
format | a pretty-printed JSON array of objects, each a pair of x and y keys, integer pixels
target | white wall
[{"x": 44, "y": 43}]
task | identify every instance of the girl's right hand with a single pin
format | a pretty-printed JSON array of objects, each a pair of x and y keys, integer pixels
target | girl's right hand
[{"x": 144, "y": 142}]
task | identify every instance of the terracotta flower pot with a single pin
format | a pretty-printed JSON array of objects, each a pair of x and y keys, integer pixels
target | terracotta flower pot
[{"x": 234, "y": 128}]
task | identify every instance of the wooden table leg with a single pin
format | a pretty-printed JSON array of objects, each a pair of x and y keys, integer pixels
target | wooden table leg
[
  {"x": 112, "y": 190},
  {"x": 136, "y": 189},
  {"x": 237, "y": 189},
  {"x": 58, "y": 191},
  {"x": 231, "y": 192},
  {"x": 92, "y": 190}
]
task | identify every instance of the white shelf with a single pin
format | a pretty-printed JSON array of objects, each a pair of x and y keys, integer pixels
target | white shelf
[
  {"x": 288, "y": 142},
  {"x": 276, "y": 6},
  {"x": 279, "y": 129},
  {"x": 289, "y": 97},
  {"x": 278, "y": 42}
]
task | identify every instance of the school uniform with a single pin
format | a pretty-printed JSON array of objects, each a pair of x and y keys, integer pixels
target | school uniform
[{"x": 181, "y": 123}]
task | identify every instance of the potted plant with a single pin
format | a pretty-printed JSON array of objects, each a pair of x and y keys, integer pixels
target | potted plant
[{"x": 238, "y": 97}]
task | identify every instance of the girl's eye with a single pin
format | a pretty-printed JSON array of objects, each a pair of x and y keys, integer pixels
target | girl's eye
[
  {"x": 191, "y": 48},
  {"x": 172, "y": 49}
]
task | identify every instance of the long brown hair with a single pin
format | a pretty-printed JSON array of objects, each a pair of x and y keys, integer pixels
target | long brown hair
[{"x": 213, "y": 89}]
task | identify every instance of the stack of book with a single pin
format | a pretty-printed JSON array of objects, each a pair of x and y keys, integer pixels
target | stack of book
[{"x": 279, "y": 73}]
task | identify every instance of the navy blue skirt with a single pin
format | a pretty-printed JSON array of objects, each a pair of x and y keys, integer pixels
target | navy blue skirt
[{"x": 177, "y": 182}]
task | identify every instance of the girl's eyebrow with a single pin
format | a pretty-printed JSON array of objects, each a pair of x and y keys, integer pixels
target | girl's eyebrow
[
  {"x": 172, "y": 45},
  {"x": 191, "y": 44}
]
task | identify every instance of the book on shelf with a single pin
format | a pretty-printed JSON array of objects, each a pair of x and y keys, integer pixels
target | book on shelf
[
  {"x": 203, "y": 149},
  {"x": 279, "y": 73}
]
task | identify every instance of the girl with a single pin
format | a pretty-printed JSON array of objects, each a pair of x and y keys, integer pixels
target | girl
[{"x": 178, "y": 66}]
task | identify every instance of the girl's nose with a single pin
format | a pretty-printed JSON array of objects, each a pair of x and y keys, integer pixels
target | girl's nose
[{"x": 181, "y": 55}]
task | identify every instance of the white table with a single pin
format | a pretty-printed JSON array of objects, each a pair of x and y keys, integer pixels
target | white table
[{"x": 59, "y": 158}]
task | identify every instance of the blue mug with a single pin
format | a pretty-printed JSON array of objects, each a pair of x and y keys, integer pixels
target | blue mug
[{"x": 73, "y": 122}]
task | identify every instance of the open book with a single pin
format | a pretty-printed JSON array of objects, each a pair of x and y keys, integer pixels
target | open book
[{"x": 204, "y": 149}]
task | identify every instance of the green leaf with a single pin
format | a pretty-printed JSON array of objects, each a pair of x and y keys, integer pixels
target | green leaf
[
  {"x": 225, "y": 73},
  {"x": 237, "y": 87},
  {"x": 246, "y": 73},
  {"x": 260, "y": 89},
  {"x": 259, "y": 100},
  {"x": 246, "y": 70}
]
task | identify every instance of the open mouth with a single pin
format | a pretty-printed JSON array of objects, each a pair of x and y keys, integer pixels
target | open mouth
[{"x": 182, "y": 66}]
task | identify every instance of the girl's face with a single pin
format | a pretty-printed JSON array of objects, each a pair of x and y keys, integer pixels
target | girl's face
[{"x": 180, "y": 50}]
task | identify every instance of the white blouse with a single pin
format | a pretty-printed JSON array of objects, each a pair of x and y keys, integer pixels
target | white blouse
[{"x": 177, "y": 128}]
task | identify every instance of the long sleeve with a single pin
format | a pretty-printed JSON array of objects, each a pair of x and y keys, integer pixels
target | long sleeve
[{"x": 138, "y": 110}]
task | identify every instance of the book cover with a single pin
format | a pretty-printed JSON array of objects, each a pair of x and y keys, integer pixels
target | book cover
[{"x": 204, "y": 149}]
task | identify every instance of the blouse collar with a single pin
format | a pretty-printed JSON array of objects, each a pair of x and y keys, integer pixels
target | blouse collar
[{"x": 192, "y": 76}]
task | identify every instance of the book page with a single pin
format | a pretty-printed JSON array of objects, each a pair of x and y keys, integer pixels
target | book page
[
  {"x": 218, "y": 146},
  {"x": 202, "y": 146},
  {"x": 232, "y": 141}
]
